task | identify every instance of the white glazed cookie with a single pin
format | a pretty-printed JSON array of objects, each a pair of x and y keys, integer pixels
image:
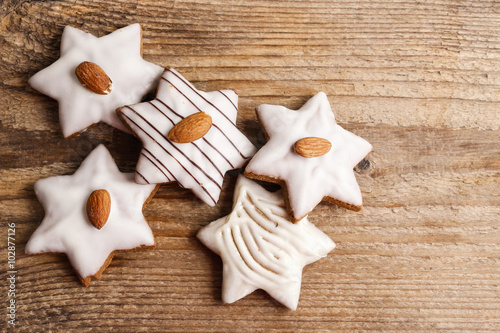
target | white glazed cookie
[
  {"x": 67, "y": 227},
  {"x": 309, "y": 180},
  {"x": 119, "y": 55},
  {"x": 260, "y": 248},
  {"x": 200, "y": 163}
]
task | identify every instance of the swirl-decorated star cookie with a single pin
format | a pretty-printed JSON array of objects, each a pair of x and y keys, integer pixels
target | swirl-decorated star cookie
[
  {"x": 260, "y": 248},
  {"x": 94, "y": 76},
  {"x": 188, "y": 136},
  {"x": 309, "y": 155},
  {"x": 92, "y": 214}
]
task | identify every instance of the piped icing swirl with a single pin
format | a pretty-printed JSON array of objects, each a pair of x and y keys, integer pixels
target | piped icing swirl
[{"x": 260, "y": 248}]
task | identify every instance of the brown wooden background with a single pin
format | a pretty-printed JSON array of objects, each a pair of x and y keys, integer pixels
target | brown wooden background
[{"x": 419, "y": 80}]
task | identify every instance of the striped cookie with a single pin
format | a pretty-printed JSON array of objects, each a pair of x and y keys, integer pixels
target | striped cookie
[{"x": 198, "y": 162}]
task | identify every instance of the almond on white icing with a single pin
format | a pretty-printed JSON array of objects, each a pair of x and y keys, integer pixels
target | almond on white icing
[
  {"x": 66, "y": 228},
  {"x": 309, "y": 180},
  {"x": 119, "y": 56}
]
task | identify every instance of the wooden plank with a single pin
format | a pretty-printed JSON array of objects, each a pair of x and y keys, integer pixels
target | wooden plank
[{"x": 419, "y": 80}]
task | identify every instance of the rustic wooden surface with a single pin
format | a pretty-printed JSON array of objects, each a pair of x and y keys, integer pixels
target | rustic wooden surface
[{"x": 419, "y": 80}]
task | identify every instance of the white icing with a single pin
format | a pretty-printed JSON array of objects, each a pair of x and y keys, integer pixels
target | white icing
[
  {"x": 308, "y": 180},
  {"x": 119, "y": 55},
  {"x": 66, "y": 227},
  {"x": 199, "y": 165},
  {"x": 260, "y": 248}
]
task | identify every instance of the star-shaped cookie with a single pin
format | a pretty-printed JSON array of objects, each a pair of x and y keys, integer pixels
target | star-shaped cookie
[
  {"x": 188, "y": 136},
  {"x": 260, "y": 248},
  {"x": 118, "y": 55},
  {"x": 69, "y": 226},
  {"x": 309, "y": 155}
]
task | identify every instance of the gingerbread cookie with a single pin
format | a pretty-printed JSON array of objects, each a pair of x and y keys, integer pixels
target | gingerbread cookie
[
  {"x": 94, "y": 76},
  {"x": 260, "y": 248},
  {"x": 91, "y": 214},
  {"x": 189, "y": 136},
  {"x": 309, "y": 155}
]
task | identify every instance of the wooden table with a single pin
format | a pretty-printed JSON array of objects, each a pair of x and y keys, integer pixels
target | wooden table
[{"x": 419, "y": 80}]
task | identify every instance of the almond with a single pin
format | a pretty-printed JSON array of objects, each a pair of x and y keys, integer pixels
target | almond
[
  {"x": 191, "y": 128},
  {"x": 312, "y": 147},
  {"x": 98, "y": 208},
  {"x": 94, "y": 78}
]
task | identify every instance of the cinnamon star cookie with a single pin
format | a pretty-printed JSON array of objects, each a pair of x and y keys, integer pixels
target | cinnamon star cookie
[
  {"x": 94, "y": 76},
  {"x": 91, "y": 214},
  {"x": 309, "y": 155},
  {"x": 188, "y": 136},
  {"x": 260, "y": 248}
]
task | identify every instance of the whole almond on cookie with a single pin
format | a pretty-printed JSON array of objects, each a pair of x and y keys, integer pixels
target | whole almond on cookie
[
  {"x": 98, "y": 208},
  {"x": 94, "y": 78},
  {"x": 191, "y": 128},
  {"x": 312, "y": 147}
]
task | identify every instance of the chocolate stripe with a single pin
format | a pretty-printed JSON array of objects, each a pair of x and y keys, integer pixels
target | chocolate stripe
[
  {"x": 204, "y": 139},
  {"x": 180, "y": 151},
  {"x": 230, "y": 101},
  {"x": 173, "y": 123},
  {"x": 169, "y": 108},
  {"x": 137, "y": 125},
  {"x": 159, "y": 110},
  {"x": 217, "y": 150},
  {"x": 160, "y": 162},
  {"x": 196, "y": 106},
  {"x": 156, "y": 165},
  {"x": 231, "y": 142},
  {"x": 137, "y": 172},
  {"x": 196, "y": 91}
]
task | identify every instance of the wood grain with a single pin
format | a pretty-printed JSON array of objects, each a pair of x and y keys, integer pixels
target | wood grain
[{"x": 419, "y": 80}]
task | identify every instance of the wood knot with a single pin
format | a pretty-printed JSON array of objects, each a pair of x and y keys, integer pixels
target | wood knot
[{"x": 364, "y": 164}]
